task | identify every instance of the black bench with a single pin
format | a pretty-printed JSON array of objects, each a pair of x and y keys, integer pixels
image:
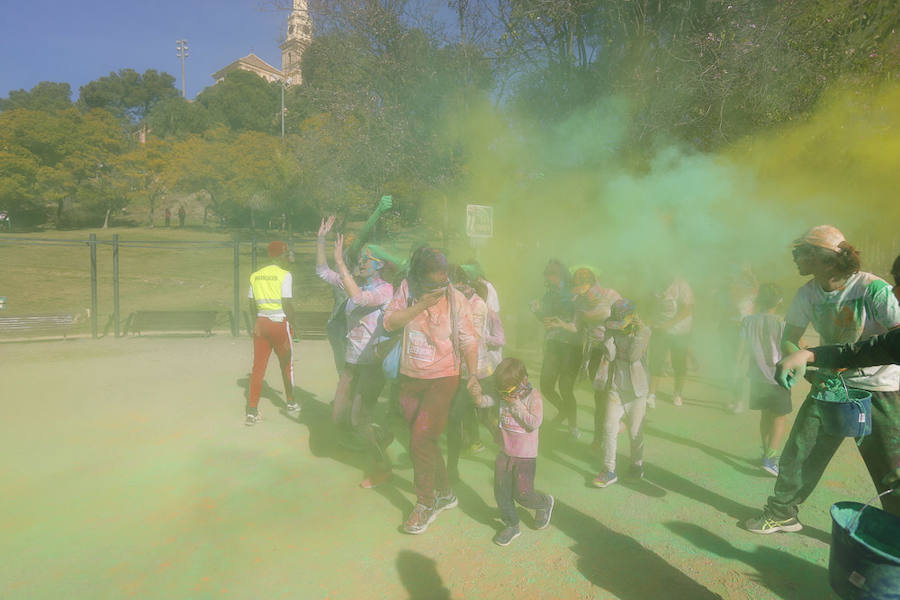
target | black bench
[
  {"x": 312, "y": 324},
  {"x": 43, "y": 324},
  {"x": 171, "y": 320}
]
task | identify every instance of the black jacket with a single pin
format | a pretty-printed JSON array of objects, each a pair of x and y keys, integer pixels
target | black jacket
[{"x": 879, "y": 350}]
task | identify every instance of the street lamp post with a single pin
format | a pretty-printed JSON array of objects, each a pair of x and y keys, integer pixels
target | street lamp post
[
  {"x": 284, "y": 83},
  {"x": 181, "y": 47}
]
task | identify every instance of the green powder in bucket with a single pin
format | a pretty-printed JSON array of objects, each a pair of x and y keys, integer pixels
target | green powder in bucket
[{"x": 871, "y": 531}]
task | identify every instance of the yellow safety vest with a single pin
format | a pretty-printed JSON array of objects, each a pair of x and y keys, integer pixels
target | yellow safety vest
[{"x": 266, "y": 285}]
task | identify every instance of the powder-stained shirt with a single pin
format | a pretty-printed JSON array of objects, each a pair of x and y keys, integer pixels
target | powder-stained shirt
[
  {"x": 493, "y": 304},
  {"x": 362, "y": 313},
  {"x": 428, "y": 347},
  {"x": 629, "y": 378},
  {"x": 491, "y": 337},
  {"x": 557, "y": 302},
  {"x": 667, "y": 304},
  {"x": 592, "y": 309},
  {"x": 863, "y": 307},
  {"x": 518, "y": 423},
  {"x": 762, "y": 335}
]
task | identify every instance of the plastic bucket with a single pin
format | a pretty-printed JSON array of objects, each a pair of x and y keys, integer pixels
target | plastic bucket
[
  {"x": 850, "y": 417},
  {"x": 865, "y": 552}
]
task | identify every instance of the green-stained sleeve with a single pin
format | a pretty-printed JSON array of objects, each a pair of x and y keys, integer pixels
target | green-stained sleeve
[
  {"x": 882, "y": 304},
  {"x": 363, "y": 236}
]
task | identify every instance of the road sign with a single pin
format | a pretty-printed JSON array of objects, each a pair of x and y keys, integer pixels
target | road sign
[{"x": 479, "y": 221}]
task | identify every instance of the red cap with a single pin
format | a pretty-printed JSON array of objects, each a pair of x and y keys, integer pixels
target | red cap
[{"x": 276, "y": 249}]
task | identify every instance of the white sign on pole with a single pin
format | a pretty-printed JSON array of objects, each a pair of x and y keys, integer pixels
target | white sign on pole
[{"x": 479, "y": 221}]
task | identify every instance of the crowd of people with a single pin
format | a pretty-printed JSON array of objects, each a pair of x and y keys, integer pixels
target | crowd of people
[{"x": 430, "y": 333}]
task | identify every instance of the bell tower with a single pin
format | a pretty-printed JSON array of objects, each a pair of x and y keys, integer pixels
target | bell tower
[{"x": 299, "y": 37}]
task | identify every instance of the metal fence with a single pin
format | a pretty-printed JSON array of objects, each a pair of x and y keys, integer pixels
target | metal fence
[{"x": 45, "y": 275}]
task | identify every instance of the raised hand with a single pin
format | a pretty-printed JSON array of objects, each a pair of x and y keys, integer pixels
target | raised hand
[
  {"x": 325, "y": 227},
  {"x": 385, "y": 204}
]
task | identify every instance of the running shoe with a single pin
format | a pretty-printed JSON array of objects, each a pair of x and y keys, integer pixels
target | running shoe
[
  {"x": 252, "y": 420},
  {"x": 419, "y": 519},
  {"x": 542, "y": 515},
  {"x": 445, "y": 502},
  {"x": 770, "y": 465},
  {"x": 292, "y": 407},
  {"x": 506, "y": 535},
  {"x": 765, "y": 523},
  {"x": 605, "y": 479},
  {"x": 636, "y": 471}
]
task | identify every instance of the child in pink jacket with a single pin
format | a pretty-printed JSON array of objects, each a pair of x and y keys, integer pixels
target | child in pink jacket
[{"x": 519, "y": 412}]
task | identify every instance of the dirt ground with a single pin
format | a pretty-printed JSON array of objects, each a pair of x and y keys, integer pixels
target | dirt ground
[{"x": 127, "y": 471}]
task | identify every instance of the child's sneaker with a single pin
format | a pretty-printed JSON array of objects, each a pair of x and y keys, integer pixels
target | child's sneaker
[
  {"x": 770, "y": 465},
  {"x": 542, "y": 515},
  {"x": 506, "y": 535},
  {"x": 677, "y": 401},
  {"x": 605, "y": 479},
  {"x": 419, "y": 519},
  {"x": 252, "y": 420},
  {"x": 292, "y": 407}
]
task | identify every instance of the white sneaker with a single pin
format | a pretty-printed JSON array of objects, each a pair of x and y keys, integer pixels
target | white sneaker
[
  {"x": 293, "y": 407},
  {"x": 651, "y": 401},
  {"x": 677, "y": 401},
  {"x": 252, "y": 420}
]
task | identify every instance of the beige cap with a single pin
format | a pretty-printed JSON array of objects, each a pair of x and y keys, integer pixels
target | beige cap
[{"x": 822, "y": 236}]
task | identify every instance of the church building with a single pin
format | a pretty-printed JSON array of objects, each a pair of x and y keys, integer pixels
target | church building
[{"x": 297, "y": 40}]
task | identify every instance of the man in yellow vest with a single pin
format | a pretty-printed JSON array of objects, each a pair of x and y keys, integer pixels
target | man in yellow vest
[{"x": 270, "y": 294}]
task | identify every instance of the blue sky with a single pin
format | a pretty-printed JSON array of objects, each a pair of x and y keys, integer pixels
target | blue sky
[{"x": 78, "y": 41}]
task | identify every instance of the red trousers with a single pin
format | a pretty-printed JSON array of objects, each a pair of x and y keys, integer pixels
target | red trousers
[
  {"x": 426, "y": 406},
  {"x": 267, "y": 336}
]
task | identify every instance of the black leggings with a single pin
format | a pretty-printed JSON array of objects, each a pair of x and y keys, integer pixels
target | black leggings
[
  {"x": 561, "y": 364},
  {"x": 462, "y": 425}
]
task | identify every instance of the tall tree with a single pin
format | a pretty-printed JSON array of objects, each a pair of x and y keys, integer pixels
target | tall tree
[
  {"x": 128, "y": 94},
  {"x": 244, "y": 101},
  {"x": 71, "y": 149},
  {"x": 45, "y": 96}
]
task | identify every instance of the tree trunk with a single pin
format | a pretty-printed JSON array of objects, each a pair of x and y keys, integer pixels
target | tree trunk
[
  {"x": 59, "y": 209},
  {"x": 152, "y": 210},
  {"x": 106, "y": 219}
]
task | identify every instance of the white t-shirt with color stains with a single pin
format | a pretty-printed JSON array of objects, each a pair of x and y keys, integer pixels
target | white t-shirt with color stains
[{"x": 864, "y": 307}]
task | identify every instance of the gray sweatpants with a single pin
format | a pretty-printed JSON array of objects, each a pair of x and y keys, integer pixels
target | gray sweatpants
[{"x": 633, "y": 412}]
